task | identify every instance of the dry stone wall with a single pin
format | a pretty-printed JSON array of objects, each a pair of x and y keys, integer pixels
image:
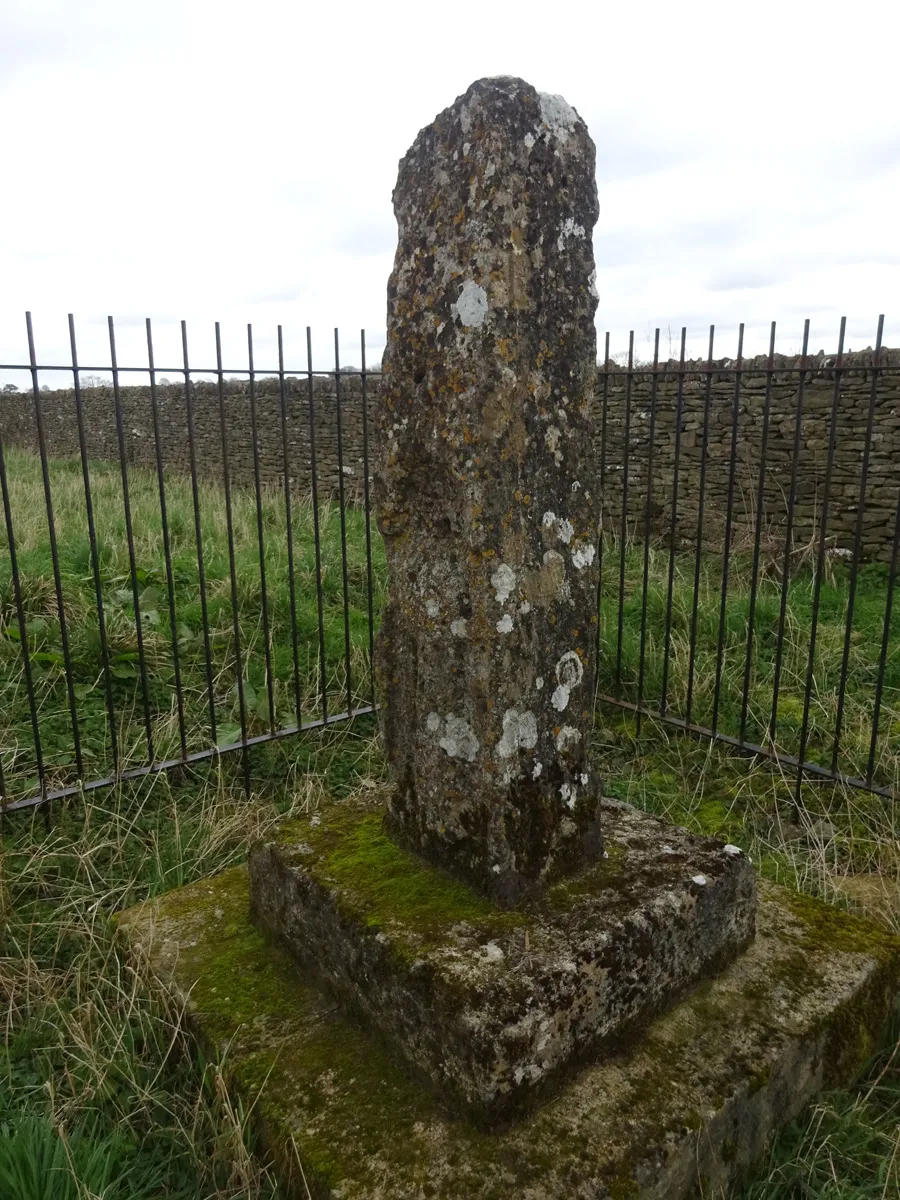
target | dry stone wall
[
  {"x": 855, "y": 392},
  {"x": 17, "y": 425},
  {"x": 18, "y": 428}
]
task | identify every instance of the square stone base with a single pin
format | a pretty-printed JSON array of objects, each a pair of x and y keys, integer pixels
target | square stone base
[
  {"x": 494, "y": 1006},
  {"x": 693, "y": 1100}
]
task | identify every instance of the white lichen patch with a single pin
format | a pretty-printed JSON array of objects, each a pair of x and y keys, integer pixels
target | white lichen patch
[
  {"x": 433, "y": 722},
  {"x": 570, "y": 670},
  {"x": 536, "y": 770},
  {"x": 567, "y": 736},
  {"x": 539, "y": 682},
  {"x": 531, "y": 1071},
  {"x": 564, "y": 530},
  {"x": 503, "y": 581},
  {"x": 569, "y": 228},
  {"x": 459, "y": 740},
  {"x": 700, "y": 880},
  {"x": 471, "y": 306},
  {"x": 505, "y": 624},
  {"x": 524, "y": 608},
  {"x": 552, "y": 437},
  {"x": 582, "y": 557},
  {"x": 529, "y": 140},
  {"x": 432, "y": 608},
  {"x": 562, "y": 527},
  {"x": 459, "y": 627},
  {"x": 569, "y": 795},
  {"x": 519, "y": 732},
  {"x": 559, "y": 117},
  {"x": 491, "y": 952},
  {"x": 734, "y": 851}
]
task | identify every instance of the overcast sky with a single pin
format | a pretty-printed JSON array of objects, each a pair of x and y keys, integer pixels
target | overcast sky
[{"x": 234, "y": 162}]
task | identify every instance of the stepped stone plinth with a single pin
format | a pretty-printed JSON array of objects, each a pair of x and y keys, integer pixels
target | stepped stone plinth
[
  {"x": 685, "y": 1108},
  {"x": 495, "y": 1007}
]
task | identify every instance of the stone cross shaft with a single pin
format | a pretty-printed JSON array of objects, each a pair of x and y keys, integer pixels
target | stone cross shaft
[{"x": 486, "y": 492}]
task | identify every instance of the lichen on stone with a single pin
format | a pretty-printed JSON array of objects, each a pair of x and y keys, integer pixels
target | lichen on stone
[{"x": 483, "y": 423}]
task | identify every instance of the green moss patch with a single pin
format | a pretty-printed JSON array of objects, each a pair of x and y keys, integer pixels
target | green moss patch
[
  {"x": 824, "y": 925},
  {"x": 387, "y": 885}
]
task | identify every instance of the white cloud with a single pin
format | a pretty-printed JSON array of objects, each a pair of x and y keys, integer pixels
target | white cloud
[{"x": 217, "y": 162}]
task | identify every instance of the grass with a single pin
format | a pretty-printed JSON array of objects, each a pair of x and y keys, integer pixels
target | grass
[
  {"x": 259, "y": 668},
  {"x": 863, "y": 649},
  {"x": 101, "y": 1092},
  {"x": 98, "y": 1079},
  {"x": 262, "y": 671}
]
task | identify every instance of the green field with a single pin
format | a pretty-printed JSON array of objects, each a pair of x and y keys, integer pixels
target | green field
[
  {"x": 866, "y": 634},
  {"x": 44, "y": 639},
  {"x": 45, "y": 643},
  {"x": 101, "y": 1092}
]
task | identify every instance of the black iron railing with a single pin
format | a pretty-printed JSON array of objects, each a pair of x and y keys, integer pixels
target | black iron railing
[
  {"x": 217, "y": 588},
  {"x": 786, "y": 694},
  {"x": 143, "y": 689}
]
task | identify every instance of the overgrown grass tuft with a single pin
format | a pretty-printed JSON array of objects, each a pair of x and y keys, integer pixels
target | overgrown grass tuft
[{"x": 102, "y": 1092}]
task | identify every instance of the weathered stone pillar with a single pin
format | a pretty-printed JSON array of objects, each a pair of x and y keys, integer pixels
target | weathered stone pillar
[
  {"x": 486, "y": 492},
  {"x": 487, "y": 505}
]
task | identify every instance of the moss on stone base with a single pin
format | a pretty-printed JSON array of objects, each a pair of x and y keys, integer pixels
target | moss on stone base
[
  {"x": 698, "y": 1094},
  {"x": 389, "y": 885},
  {"x": 498, "y": 1006}
]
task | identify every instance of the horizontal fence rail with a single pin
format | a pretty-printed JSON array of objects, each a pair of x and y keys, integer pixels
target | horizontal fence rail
[{"x": 192, "y": 568}]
